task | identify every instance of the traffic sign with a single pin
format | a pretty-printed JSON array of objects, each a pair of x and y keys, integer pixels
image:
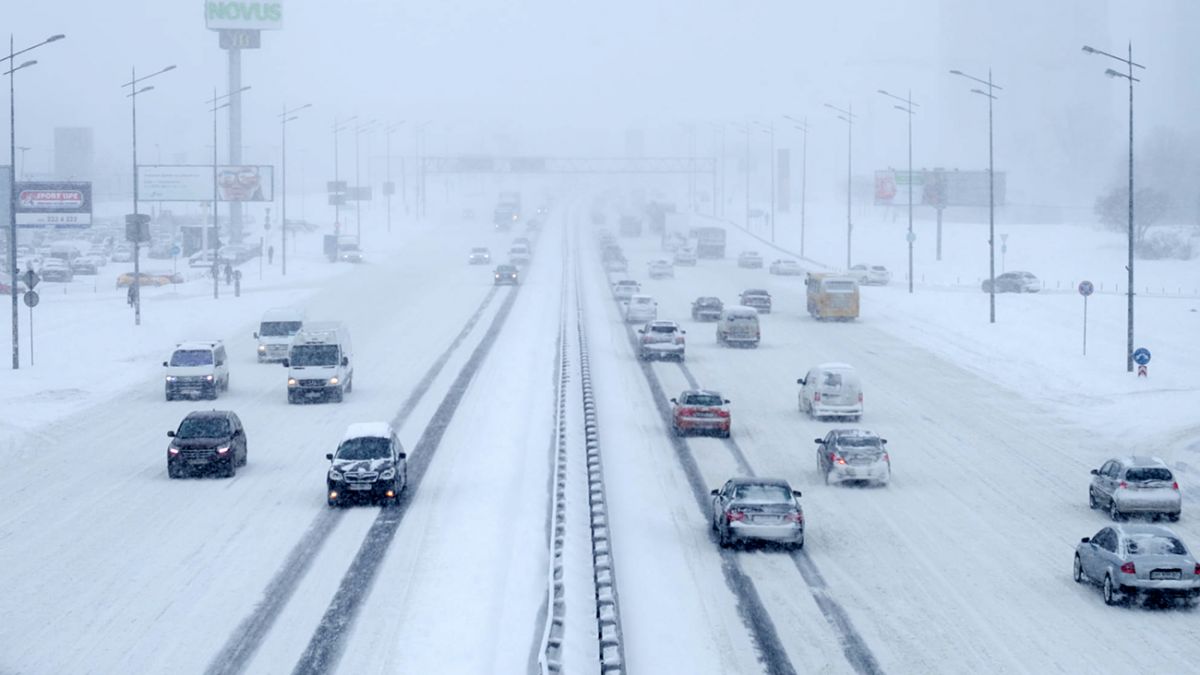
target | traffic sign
[
  {"x": 1141, "y": 356},
  {"x": 31, "y": 299},
  {"x": 911, "y": 236},
  {"x": 31, "y": 279},
  {"x": 1086, "y": 288},
  {"x": 176, "y": 251}
]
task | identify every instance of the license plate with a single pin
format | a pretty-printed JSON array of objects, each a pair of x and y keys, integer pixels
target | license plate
[
  {"x": 767, "y": 520},
  {"x": 198, "y": 461},
  {"x": 1166, "y": 574},
  {"x": 360, "y": 486},
  {"x": 701, "y": 413},
  {"x": 852, "y": 472}
]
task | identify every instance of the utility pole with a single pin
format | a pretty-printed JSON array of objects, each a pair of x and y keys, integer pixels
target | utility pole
[
  {"x": 285, "y": 117},
  {"x": 908, "y": 109},
  {"x": 847, "y": 116},
  {"x": 990, "y": 95}
]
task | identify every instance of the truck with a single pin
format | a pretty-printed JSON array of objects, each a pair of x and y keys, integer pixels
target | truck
[
  {"x": 508, "y": 210},
  {"x": 710, "y": 242},
  {"x": 320, "y": 363}
]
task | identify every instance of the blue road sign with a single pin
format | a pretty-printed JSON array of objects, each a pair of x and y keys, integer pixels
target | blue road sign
[
  {"x": 176, "y": 251},
  {"x": 1141, "y": 356},
  {"x": 1086, "y": 288}
]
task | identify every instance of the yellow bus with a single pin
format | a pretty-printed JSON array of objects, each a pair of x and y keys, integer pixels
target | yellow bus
[{"x": 832, "y": 296}]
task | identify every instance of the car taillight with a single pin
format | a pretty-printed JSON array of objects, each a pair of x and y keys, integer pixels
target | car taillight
[
  {"x": 722, "y": 413},
  {"x": 1122, "y": 485},
  {"x": 836, "y": 458},
  {"x": 1128, "y": 568},
  {"x": 1175, "y": 485},
  {"x": 678, "y": 339},
  {"x": 860, "y": 397},
  {"x": 731, "y": 516},
  {"x": 887, "y": 457},
  {"x": 816, "y": 397},
  {"x": 646, "y": 339},
  {"x": 797, "y": 517}
]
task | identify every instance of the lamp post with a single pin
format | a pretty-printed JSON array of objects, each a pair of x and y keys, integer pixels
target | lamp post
[
  {"x": 216, "y": 238},
  {"x": 285, "y": 117},
  {"x": 802, "y": 127},
  {"x": 847, "y": 116},
  {"x": 389, "y": 186},
  {"x": 1130, "y": 65},
  {"x": 358, "y": 129},
  {"x": 134, "y": 90},
  {"x": 338, "y": 127},
  {"x": 991, "y": 87},
  {"x": 907, "y": 109},
  {"x": 769, "y": 129},
  {"x": 12, "y": 180}
]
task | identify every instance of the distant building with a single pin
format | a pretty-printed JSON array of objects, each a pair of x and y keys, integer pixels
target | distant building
[{"x": 74, "y": 153}]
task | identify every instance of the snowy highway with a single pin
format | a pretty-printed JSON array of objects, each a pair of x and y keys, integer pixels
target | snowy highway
[{"x": 962, "y": 563}]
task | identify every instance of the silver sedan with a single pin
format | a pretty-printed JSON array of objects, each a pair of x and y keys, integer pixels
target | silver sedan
[
  {"x": 1129, "y": 561},
  {"x": 765, "y": 509},
  {"x": 1135, "y": 485}
]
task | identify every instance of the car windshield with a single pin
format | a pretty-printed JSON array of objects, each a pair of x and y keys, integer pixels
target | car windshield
[
  {"x": 203, "y": 427},
  {"x": 839, "y": 286},
  {"x": 479, "y": 250},
  {"x": 314, "y": 355},
  {"x": 366, "y": 447},
  {"x": 859, "y": 442},
  {"x": 833, "y": 379},
  {"x": 641, "y": 301},
  {"x": 1153, "y": 544},
  {"x": 657, "y": 328},
  {"x": 279, "y": 328},
  {"x": 754, "y": 291},
  {"x": 1148, "y": 474},
  {"x": 192, "y": 357},
  {"x": 703, "y": 399},
  {"x": 708, "y": 302},
  {"x": 762, "y": 493}
]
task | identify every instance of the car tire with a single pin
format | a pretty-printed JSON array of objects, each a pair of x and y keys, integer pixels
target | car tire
[
  {"x": 827, "y": 481},
  {"x": 211, "y": 394},
  {"x": 724, "y": 434},
  {"x": 1173, "y": 517},
  {"x": 675, "y": 428},
  {"x": 291, "y": 398},
  {"x": 799, "y": 545},
  {"x": 349, "y": 385},
  {"x": 170, "y": 397},
  {"x": 231, "y": 468},
  {"x": 337, "y": 395},
  {"x": 1092, "y": 503},
  {"x": 1077, "y": 570},
  {"x": 1110, "y": 594},
  {"x": 245, "y": 457},
  {"x": 723, "y": 539},
  {"x": 1114, "y": 512},
  {"x": 174, "y": 472}
]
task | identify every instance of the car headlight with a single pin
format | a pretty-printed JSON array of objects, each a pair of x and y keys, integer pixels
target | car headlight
[
  {"x": 291, "y": 381},
  {"x": 333, "y": 380},
  {"x": 387, "y": 474},
  {"x": 209, "y": 378},
  {"x": 334, "y": 475},
  {"x": 223, "y": 449},
  {"x": 262, "y": 348},
  {"x": 170, "y": 378}
]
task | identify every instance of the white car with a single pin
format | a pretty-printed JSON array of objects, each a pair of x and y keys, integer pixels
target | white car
[
  {"x": 750, "y": 259},
  {"x": 640, "y": 309},
  {"x": 685, "y": 256},
  {"x": 831, "y": 390},
  {"x": 853, "y": 455},
  {"x": 661, "y": 340},
  {"x": 877, "y": 275},
  {"x": 789, "y": 268},
  {"x": 197, "y": 369},
  {"x": 661, "y": 269},
  {"x": 625, "y": 289}
]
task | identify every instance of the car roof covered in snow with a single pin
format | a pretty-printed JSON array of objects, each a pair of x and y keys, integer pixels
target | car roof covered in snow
[
  {"x": 368, "y": 430},
  {"x": 835, "y": 366}
]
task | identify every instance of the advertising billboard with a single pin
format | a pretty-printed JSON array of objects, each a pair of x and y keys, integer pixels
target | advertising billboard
[
  {"x": 243, "y": 15},
  {"x": 64, "y": 205},
  {"x": 194, "y": 183},
  {"x": 938, "y": 188}
]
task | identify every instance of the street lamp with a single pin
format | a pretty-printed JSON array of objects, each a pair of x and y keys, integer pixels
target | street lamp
[
  {"x": 285, "y": 117},
  {"x": 216, "y": 272},
  {"x": 847, "y": 116},
  {"x": 907, "y": 109},
  {"x": 770, "y": 130},
  {"x": 802, "y": 127},
  {"x": 12, "y": 179},
  {"x": 389, "y": 187},
  {"x": 991, "y": 86},
  {"x": 338, "y": 127},
  {"x": 1129, "y": 291},
  {"x": 358, "y": 129},
  {"x": 419, "y": 133},
  {"x": 137, "y": 223}
]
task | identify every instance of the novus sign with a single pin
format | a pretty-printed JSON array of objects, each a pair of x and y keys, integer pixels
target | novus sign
[{"x": 243, "y": 15}]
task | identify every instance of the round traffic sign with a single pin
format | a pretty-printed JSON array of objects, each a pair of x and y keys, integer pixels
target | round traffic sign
[
  {"x": 911, "y": 237},
  {"x": 31, "y": 298},
  {"x": 1141, "y": 356},
  {"x": 1086, "y": 288},
  {"x": 176, "y": 251}
]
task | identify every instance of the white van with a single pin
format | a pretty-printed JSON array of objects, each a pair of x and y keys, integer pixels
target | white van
[
  {"x": 320, "y": 363},
  {"x": 831, "y": 390},
  {"x": 197, "y": 369},
  {"x": 640, "y": 309},
  {"x": 275, "y": 332},
  {"x": 738, "y": 325}
]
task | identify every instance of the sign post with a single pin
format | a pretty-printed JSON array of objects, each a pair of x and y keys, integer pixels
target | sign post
[
  {"x": 31, "y": 299},
  {"x": 1141, "y": 356},
  {"x": 1085, "y": 289}
]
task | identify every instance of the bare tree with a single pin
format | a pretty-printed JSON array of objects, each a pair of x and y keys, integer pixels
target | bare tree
[{"x": 1151, "y": 206}]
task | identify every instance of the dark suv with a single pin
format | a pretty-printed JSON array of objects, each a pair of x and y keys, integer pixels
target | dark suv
[
  {"x": 369, "y": 465},
  {"x": 208, "y": 441}
]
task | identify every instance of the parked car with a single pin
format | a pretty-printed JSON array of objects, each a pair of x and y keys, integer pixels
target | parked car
[
  {"x": 122, "y": 253},
  {"x": 369, "y": 465},
  {"x": 787, "y": 268},
  {"x": 86, "y": 265},
  {"x": 831, "y": 390},
  {"x": 479, "y": 255},
  {"x": 707, "y": 308},
  {"x": 197, "y": 369},
  {"x": 207, "y": 441},
  {"x": 853, "y": 455},
  {"x": 874, "y": 275},
  {"x": 750, "y": 260},
  {"x": 1013, "y": 282},
  {"x": 1129, "y": 562},
  {"x": 1135, "y": 486},
  {"x": 625, "y": 289},
  {"x": 738, "y": 325},
  {"x": 765, "y": 509},
  {"x": 661, "y": 340},
  {"x": 661, "y": 269},
  {"x": 700, "y": 411},
  {"x": 54, "y": 269},
  {"x": 640, "y": 308},
  {"x": 758, "y": 298},
  {"x": 685, "y": 256},
  {"x": 506, "y": 275}
]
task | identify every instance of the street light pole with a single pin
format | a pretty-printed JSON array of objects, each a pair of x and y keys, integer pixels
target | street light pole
[
  {"x": 285, "y": 117},
  {"x": 358, "y": 129},
  {"x": 802, "y": 126},
  {"x": 990, "y": 94},
  {"x": 907, "y": 108},
  {"x": 12, "y": 182},
  {"x": 216, "y": 271},
  {"x": 847, "y": 116},
  {"x": 387, "y": 134},
  {"x": 1129, "y": 266},
  {"x": 770, "y": 130}
]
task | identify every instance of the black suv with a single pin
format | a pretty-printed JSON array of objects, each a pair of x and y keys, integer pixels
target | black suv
[
  {"x": 208, "y": 441},
  {"x": 369, "y": 465}
]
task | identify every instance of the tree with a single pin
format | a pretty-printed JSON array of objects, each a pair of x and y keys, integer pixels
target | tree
[{"x": 1151, "y": 205}]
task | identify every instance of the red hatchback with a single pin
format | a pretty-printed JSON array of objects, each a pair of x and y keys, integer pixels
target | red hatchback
[{"x": 700, "y": 411}]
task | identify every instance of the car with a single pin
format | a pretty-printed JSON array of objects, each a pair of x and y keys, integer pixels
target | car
[
  {"x": 685, "y": 256},
  {"x": 207, "y": 441},
  {"x": 54, "y": 269},
  {"x": 640, "y": 308},
  {"x": 1013, "y": 282},
  {"x": 149, "y": 279},
  {"x": 320, "y": 363},
  {"x": 625, "y": 289},
  {"x": 700, "y": 411},
  {"x": 783, "y": 267},
  {"x": 122, "y": 253},
  {"x": 616, "y": 265},
  {"x": 661, "y": 269},
  {"x": 197, "y": 369},
  {"x": 758, "y": 298},
  {"x": 1135, "y": 485},
  {"x": 86, "y": 265},
  {"x": 350, "y": 255},
  {"x": 480, "y": 255},
  {"x": 506, "y": 275},
  {"x": 707, "y": 308},
  {"x": 275, "y": 332},
  {"x": 523, "y": 241},
  {"x": 1129, "y": 562},
  {"x": 738, "y": 325},
  {"x": 763, "y": 509},
  {"x": 369, "y": 465},
  {"x": 519, "y": 254},
  {"x": 661, "y": 340},
  {"x": 871, "y": 275},
  {"x": 831, "y": 390},
  {"x": 853, "y": 455},
  {"x": 202, "y": 259},
  {"x": 750, "y": 260}
]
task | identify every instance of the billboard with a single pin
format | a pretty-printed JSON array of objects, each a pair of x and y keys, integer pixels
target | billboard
[
  {"x": 243, "y": 15},
  {"x": 938, "y": 188},
  {"x": 62, "y": 205},
  {"x": 194, "y": 183}
]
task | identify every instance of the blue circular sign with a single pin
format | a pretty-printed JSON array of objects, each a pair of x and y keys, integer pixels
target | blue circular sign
[
  {"x": 1086, "y": 288},
  {"x": 1141, "y": 356},
  {"x": 175, "y": 251}
]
